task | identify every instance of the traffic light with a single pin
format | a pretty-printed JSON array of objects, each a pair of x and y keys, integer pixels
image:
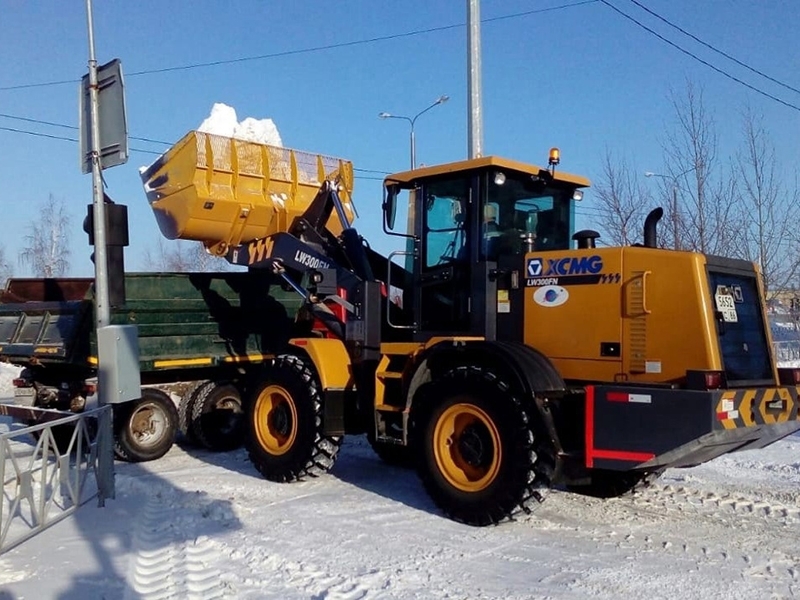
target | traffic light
[{"x": 116, "y": 240}]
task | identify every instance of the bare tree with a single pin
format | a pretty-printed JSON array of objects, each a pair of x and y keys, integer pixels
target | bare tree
[
  {"x": 622, "y": 201},
  {"x": 700, "y": 214},
  {"x": 6, "y": 270},
  {"x": 47, "y": 245},
  {"x": 768, "y": 210},
  {"x": 182, "y": 256}
]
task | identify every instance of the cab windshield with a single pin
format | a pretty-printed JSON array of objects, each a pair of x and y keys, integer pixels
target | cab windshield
[{"x": 521, "y": 211}]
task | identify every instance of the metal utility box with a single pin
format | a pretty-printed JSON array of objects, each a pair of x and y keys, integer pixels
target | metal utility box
[{"x": 118, "y": 372}]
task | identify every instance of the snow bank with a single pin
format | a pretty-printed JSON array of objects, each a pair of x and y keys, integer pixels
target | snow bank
[
  {"x": 223, "y": 121},
  {"x": 7, "y": 373}
]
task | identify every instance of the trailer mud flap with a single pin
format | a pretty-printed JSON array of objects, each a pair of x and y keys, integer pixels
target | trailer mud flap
[{"x": 631, "y": 428}]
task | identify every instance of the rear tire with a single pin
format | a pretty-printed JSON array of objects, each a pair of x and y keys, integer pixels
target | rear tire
[
  {"x": 284, "y": 420},
  {"x": 217, "y": 420},
  {"x": 144, "y": 429},
  {"x": 185, "y": 408},
  {"x": 480, "y": 455}
]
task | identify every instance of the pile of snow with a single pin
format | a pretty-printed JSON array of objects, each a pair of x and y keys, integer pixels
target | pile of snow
[
  {"x": 223, "y": 121},
  {"x": 8, "y": 372}
]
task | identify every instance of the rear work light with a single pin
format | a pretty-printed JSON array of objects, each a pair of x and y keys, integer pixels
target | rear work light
[
  {"x": 789, "y": 376},
  {"x": 706, "y": 380}
]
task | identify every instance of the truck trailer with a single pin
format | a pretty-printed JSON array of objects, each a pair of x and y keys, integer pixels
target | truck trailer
[{"x": 200, "y": 336}]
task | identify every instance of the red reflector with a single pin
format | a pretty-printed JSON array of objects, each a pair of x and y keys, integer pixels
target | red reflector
[
  {"x": 713, "y": 380},
  {"x": 20, "y": 382},
  {"x": 789, "y": 376},
  {"x": 89, "y": 388}
]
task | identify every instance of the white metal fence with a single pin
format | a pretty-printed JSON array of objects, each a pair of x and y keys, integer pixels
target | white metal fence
[{"x": 50, "y": 469}]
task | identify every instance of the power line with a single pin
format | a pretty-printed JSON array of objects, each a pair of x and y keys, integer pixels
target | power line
[
  {"x": 712, "y": 48},
  {"x": 585, "y": 211},
  {"x": 372, "y": 40},
  {"x": 142, "y": 150},
  {"x": 37, "y": 134},
  {"x": 72, "y": 127},
  {"x": 697, "y": 58},
  {"x": 61, "y": 137},
  {"x": 141, "y": 139}
]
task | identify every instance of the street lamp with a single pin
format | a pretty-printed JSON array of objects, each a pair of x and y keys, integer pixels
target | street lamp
[
  {"x": 674, "y": 208},
  {"x": 412, "y": 120}
]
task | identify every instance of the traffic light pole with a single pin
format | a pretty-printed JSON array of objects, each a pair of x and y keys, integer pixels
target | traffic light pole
[{"x": 102, "y": 306}]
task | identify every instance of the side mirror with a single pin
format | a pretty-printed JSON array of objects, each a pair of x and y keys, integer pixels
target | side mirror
[{"x": 390, "y": 204}]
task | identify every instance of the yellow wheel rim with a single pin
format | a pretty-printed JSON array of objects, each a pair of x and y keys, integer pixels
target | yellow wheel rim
[
  {"x": 275, "y": 420},
  {"x": 466, "y": 445}
]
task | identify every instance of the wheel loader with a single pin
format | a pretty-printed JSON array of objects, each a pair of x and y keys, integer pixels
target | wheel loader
[{"x": 498, "y": 351}]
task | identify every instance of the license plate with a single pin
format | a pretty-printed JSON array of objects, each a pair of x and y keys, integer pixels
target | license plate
[
  {"x": 727, "y": 306},
  {"x": 24, "y": 396}
]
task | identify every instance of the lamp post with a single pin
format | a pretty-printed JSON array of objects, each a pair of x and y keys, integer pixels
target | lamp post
[
  {"x": 412, "y": 121},
  {"x": 674, "y": 207}
]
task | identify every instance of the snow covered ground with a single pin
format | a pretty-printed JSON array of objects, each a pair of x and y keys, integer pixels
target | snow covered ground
[{"x": 200, "y": 525}]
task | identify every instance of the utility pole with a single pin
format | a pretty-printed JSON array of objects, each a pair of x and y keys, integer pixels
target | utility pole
[
  {"x": 475, "y": 130},
  {"x": 102, "y": 308}
]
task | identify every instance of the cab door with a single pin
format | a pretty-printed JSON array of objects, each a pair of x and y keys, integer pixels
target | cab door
[{"x": 444, "y": 263}]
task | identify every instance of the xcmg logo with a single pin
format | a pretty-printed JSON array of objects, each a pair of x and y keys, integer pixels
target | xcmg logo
[{"x": 559, "y": 267}]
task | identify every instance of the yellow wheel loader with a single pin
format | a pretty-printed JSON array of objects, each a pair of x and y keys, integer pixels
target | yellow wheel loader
[{"x": 499, "y": 352}]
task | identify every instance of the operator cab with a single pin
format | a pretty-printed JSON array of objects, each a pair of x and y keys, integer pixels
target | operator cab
[{"x": 470, "y": 225}]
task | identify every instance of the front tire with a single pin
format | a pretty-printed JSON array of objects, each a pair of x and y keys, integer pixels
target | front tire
[
  {"x": 284, "y": 419},
  {"x": 480, "y": 455},
  {"x": 144, "y": 429}
]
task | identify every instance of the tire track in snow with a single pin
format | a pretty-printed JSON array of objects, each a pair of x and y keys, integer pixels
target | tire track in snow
[
  {"x": 739, "y": 534},
  {"x": 679, "y": 497},
  {"x": 168, "y": 562},
  {"x": 270, "y": 570}
]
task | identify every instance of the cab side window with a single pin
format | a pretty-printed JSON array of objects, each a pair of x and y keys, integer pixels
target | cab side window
[{"x": 446, "y": 226}]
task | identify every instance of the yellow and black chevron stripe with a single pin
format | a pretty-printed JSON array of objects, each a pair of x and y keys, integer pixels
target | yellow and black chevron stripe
[
  {"x": 610, "y": 278},
  {"x": 766, "y": 406}
]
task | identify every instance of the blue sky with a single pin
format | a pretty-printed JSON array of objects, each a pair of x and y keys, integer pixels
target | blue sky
[{"x": 582, "y": 78}]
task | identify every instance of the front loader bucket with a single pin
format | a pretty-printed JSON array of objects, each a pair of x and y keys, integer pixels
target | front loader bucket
[{"x": 220, "y": 190}]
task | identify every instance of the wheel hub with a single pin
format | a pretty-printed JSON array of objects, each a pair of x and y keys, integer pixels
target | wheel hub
[
  {"x": 466, "y": 446},
  {"x": 279, "y": 420},
  {"x": 475, "y": 445},
  {"x": 275, "y": 420}
]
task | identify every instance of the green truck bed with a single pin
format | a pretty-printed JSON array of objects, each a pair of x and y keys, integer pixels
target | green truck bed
[{"x": 184, "y": 320}]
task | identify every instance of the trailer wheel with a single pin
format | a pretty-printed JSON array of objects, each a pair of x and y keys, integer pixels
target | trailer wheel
[
  {"x": 144, "y": 429},
  {"x": 480, "y": 455},
  {"x": 217, "y": 420},
  {"x": 284, "y": 417},
  {"x": 185, "y": 408}
]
